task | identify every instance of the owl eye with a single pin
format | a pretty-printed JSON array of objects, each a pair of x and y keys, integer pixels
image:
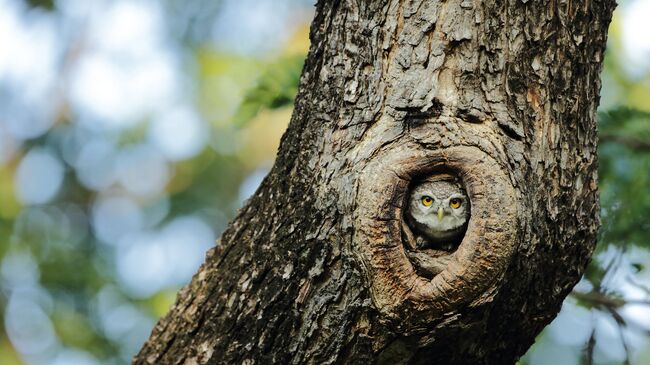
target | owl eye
[
  {"x": 455, "y": 203},
  {"x": 427, "y": 201}
]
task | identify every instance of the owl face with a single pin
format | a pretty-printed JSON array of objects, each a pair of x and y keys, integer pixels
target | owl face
[{"x": 439, "y": 209}]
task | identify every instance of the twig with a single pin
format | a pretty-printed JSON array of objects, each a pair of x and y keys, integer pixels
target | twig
[
  {"x": 590, "y": 345},
  {"x": 621, "y": 323},
  {"x": 639, "y": 285}
]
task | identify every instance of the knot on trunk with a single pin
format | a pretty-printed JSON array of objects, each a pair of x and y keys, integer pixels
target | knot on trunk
[{"x": 469, "y": 274}]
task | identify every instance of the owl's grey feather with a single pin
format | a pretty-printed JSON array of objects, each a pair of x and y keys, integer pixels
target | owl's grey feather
[{"x": 445, "y": 231}]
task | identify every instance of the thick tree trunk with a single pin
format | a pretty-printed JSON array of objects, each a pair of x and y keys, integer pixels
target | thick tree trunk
[{"x": 317, "y": 267}]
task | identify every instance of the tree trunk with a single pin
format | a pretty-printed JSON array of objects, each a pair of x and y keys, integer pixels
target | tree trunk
[{"x": 318, "y": 268}]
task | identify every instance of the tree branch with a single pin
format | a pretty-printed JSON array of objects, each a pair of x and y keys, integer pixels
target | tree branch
[{"x": 604, "y": 300}]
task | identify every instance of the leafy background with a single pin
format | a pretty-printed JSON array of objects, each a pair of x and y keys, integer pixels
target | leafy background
[{"x": 131, "y": 131}]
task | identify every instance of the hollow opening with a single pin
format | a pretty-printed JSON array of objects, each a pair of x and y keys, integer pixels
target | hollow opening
[{"x": 436, "y": 212}]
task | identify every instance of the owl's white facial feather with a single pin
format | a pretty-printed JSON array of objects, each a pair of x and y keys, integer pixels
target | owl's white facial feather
[{"x": 426, "y": 217}]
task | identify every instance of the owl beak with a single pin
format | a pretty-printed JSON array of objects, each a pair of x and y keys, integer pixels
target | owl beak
[{"x": 440, "y": 213}]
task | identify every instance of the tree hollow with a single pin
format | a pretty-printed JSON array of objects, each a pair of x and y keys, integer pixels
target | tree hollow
[{"x": 472, "y": 276}]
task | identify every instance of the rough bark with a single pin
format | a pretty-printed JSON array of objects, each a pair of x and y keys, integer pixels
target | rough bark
[{"x": 315, "y": 267}]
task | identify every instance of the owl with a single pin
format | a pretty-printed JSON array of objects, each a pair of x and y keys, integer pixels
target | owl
[{"x": 438, "y": 212}]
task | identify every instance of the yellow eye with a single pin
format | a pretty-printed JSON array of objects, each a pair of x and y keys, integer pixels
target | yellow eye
[
  {"x": 427, "y": 201},
  {"x": 455, "y": 203}
]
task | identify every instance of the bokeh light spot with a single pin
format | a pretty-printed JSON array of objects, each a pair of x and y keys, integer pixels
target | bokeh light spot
[
  {"x": 179, "y": 133},
  {"x": 39, "y": 177},
  {"x": 115, "y": 216},
  {"x": 28, "y": 326},
  {"x": 142, "y": 170}
]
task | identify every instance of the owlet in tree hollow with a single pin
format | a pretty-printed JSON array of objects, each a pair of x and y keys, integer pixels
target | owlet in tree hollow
[{"x": 439, "y": 210}]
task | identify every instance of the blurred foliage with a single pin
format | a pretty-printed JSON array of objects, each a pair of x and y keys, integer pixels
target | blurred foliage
[
  {"x": 276, "y": 87},
  {"x": 53, "y": 257},
  {"x": 45, "y": 4},
  {"x": 53, "y": 254},
  {"x": 624, "y": 176}
]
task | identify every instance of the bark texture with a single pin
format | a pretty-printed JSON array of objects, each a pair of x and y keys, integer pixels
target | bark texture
[{"x": 316, "y": 267}]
